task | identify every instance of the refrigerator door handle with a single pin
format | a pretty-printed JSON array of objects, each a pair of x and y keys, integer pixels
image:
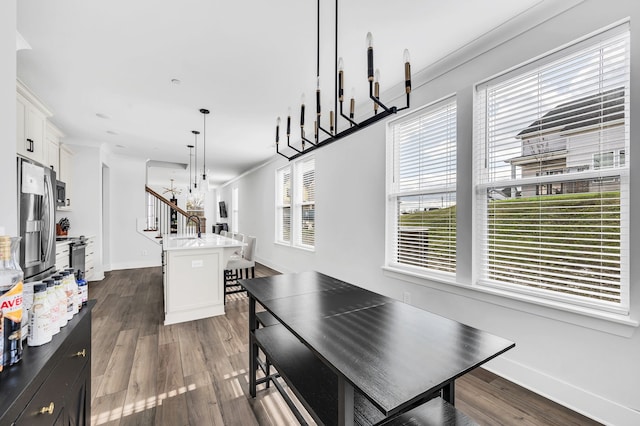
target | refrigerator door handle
[{"x": 50, "y": 237}]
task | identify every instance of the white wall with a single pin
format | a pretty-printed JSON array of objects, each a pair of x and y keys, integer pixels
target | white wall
[
  {"x": 86, "y": 216},
  {"x": 9, "y": 204},
  {"x": 128, "y": 248},
  {"x": 587, "y": 364}
]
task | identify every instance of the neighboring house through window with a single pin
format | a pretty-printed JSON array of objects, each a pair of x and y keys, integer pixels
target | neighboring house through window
[{"x": 551, "y": 142}]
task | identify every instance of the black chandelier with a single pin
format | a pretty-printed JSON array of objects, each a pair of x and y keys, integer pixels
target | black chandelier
[{"x": 380, "y": 111}]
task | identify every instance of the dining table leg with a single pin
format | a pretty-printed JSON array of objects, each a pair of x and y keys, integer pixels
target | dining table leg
[
  {"x": 448, "y": 392},
  {"x": 345, "y": 403},
  {"x": 253, "y": 347}
]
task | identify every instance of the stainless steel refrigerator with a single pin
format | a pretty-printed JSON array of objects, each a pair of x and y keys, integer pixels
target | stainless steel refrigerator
[{"x": 36, "y": 213}]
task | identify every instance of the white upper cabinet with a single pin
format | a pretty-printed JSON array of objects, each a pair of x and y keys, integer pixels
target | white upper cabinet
[
  {"x": 31, "y": 121},
  {"x": 53, "y": 138},
  {"x": 66, "y": 175}
]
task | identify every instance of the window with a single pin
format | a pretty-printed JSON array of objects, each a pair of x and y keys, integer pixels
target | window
[
  {"x": 235, "y": 210},
  {"x": 295, "y": 204},
  {"x": 603, "y": 160},
  {"x": 551, "y": 139},
  {"x": 305, "y": 202},
  {"x": 421, "y": 153},
  {"x": 283, "y": 205}
]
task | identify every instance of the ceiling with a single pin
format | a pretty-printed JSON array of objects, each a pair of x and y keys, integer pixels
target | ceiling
[{"x": 105, "y": 68}]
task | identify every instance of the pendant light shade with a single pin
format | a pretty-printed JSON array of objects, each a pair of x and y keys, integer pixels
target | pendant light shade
[
  {"x": 195, "y": 169},
  {"x": 205, "y": 180},
  {"x": 190, "y": 167}
]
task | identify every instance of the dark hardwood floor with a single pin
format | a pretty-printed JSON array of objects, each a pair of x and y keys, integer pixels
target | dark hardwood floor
[{"x": 195, "y": 373}]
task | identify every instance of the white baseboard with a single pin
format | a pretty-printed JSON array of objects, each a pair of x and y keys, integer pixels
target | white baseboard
[
  {"x": 274, "y": 266},
  {"x": 577, "y": 399}
]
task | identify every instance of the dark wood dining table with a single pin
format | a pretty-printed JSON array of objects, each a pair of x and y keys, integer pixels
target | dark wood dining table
[{"x": 391, "y": 354}]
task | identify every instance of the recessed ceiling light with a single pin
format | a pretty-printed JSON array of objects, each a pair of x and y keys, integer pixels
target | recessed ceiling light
[
  {"x": 120, "y": 146},
  {"x": 101, "y": 115},
  {"x": 111, "y": 132},
  {"x": 175, "y": 81}
]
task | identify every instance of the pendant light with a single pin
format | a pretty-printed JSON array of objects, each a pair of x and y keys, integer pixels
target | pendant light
[
  {"x": 195, "y": 173},
  {"x": 190, "y": 166},
  {"x": 205, "y": 180}
]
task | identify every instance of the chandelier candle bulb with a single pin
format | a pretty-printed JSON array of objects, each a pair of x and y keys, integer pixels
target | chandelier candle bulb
[
  {"x": 315, "y": 130},
  {"x": 331, "y": 121},
  {"x": 370, "y": 56},
  {"x": 352, "y": 106},
  {"x": 289, "y": 122},
  {"x": 302, "y": 111},
  {"x": 407, "y": 71},
  {"x": 376, "y": 90},
  {"x": 318, "y": 97},
  {"x": 277, "y": 130},
  {"x": 340, "y": 80}
]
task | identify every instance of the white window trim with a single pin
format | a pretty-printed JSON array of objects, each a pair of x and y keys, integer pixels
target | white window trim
[
  {"x": 616, "y": 324},
  {"x": 295, "y": 240},
  {"x": 392, "y": 194},
  {"x": 584, "y": 307},
  {"x": 280, "y": 206}
]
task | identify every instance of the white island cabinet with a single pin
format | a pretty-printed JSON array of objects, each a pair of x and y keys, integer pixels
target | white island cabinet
[{"x": 194, "y": 275}]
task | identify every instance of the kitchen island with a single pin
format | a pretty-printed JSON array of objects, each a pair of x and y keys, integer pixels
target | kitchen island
[{"x": 193, "y": 275}]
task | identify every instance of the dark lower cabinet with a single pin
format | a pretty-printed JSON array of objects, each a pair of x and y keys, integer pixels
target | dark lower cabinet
[
  {"x": 78, "y": 403},
  {"x": 52, "y": 383}
]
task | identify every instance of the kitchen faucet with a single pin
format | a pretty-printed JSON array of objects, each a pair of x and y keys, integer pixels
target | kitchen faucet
[{"x": 196, "y": 217}]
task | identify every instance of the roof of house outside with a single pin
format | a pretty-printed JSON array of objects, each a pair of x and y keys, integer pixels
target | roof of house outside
[{"x": 584, "y": 112}]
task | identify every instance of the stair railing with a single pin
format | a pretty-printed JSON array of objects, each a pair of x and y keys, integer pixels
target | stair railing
[{"x": 159, "y": 216}]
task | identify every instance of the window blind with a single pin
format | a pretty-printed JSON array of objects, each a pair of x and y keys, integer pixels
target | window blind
[
  {"x": 423, "y": 190},
  {"x": 307, "y": 188},
  {"x": 551, "y": 161},
  {"x": 283, "y": 205}
]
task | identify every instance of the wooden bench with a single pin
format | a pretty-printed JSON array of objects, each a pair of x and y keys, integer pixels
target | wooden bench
[
  {"x": 435, "y": 412},
  {"x": 313, "y": 383},
  {"x": 265, "y": 319}
]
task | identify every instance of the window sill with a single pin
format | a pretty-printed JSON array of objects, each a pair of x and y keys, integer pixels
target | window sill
[
  {"x": 616, "y": 324},
  {"x": 303, "y": 248}
]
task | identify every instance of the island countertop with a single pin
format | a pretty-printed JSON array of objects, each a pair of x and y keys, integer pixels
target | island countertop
[{"x": 191, "y": 242}]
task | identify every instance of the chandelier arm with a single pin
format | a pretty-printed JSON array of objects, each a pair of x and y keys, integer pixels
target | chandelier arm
[
  {"x": 331, "y": 135},
  {"x": 353, "y": 123},
  {"x": 308, "y": 141},
  {"x": 278, "y": 151},
  {"x": 291, "y": 146},
  {"x": 408, "y": 103},
  {"x": 376, "y": 100}
]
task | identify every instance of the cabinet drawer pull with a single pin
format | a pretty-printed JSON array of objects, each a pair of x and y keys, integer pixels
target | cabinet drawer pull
[
  {"x": 82, "y": 353},
  {"x": 47, "y": 410}
]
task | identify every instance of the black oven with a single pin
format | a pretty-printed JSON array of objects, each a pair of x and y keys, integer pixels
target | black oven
[{"x": 61, "y": 194}]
